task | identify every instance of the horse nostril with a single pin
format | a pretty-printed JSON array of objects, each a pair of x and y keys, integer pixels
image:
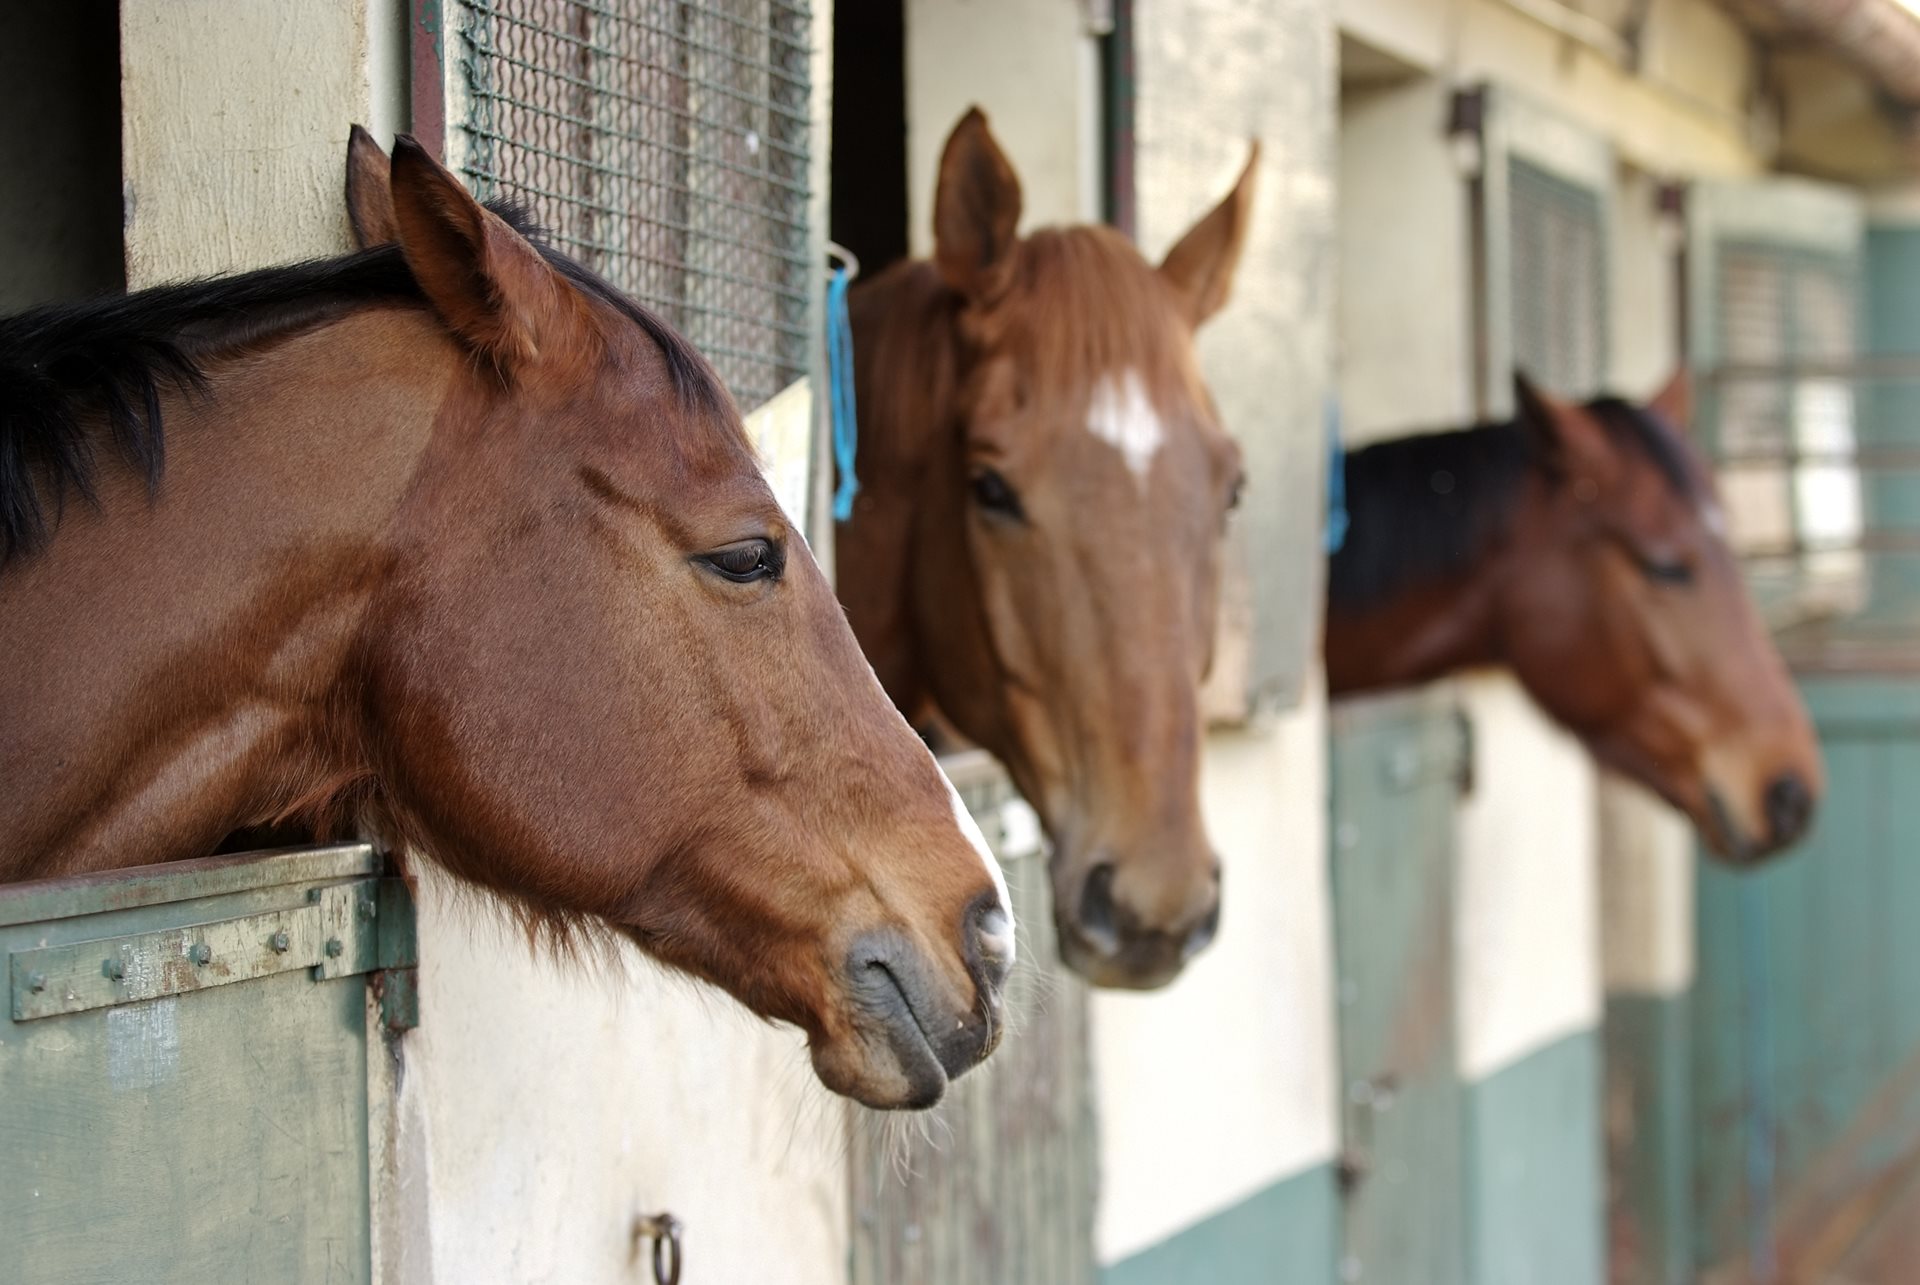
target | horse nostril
[
  {"x": 1201, "y": 935},
  {"x": 1099, "y": 923},
  {"x": 1789, "y": 806},
  {"x": 991, "y": 947}
]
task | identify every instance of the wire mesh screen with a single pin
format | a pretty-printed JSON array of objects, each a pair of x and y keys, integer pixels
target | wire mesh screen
[
  {"x": 665, "y": 144},
  {"x": 1559, "y": 274},
  {"x": 1781, "y": 414}
]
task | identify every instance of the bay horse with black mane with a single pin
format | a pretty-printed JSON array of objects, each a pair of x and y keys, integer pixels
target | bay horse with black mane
[
  {"x": 450, "y": 544},
  {"x": 1584, "y": 548},
  {"x": 1035, "y": 548}
]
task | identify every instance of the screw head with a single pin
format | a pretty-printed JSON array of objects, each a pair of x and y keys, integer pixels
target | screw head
[
  {"x": 36, "y": 982},
  {"x": 280, "y": 942},
  {"x": 201, "y": 954},
  {"x": 334, "y": 948}
]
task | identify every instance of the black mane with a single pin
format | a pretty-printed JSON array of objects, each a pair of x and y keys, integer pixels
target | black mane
[
  {"x": 1425, "y": 507},
  {"x": 114, "y": 357}
]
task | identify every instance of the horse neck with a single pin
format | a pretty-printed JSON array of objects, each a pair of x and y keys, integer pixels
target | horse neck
[
  {"x": 1413, "y": 593},
  {"x": 905, "y": 572},
  {"x": 177, "y": 658}
]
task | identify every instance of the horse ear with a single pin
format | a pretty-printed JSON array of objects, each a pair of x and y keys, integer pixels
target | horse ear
[
  {"x": 369, "y": 191},
  {"x": 1201, "y": 264},
  {"x": 1674, "y": 403},
  {"x": 486, "y": 281},
  {"x": 1568, "y": 441},
  {"x": 976, "y": 211}
]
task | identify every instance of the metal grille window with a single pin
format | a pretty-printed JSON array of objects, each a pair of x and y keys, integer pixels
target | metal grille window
[
  {"x": 1782, "y": 411},
  {"x": 1559, "y": 280},
  {"x": 665, "y": 144}
]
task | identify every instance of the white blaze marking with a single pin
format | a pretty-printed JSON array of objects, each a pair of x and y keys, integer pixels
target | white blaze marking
[
  {"x": 1122, "y": 416},
  {"x": 999, "y": 933}
]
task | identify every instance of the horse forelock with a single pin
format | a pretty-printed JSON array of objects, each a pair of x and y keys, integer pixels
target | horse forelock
[{"x": 1083, "y": 309}]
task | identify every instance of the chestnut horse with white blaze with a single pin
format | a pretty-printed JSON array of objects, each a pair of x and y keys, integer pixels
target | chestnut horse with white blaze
[
  {"x": 1584, "y": 548},
  {"x": 458, "y": 548},
  {"x": 1035, "y": 547}
]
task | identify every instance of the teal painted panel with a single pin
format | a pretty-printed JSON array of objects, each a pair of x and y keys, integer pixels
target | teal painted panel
[
  {"x": 217, "y": 1134},
  {"x": 1535, "y": 1190},
  {"x": 1649, "y": 1130},
  {"x": 1283, "y": 1235},
  {"x": 1396, "y": 765},
  {"x": 1820, "y": 949}
]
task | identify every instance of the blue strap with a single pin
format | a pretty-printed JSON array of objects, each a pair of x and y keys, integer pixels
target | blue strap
[
  {"x": 846, "y": 430},
  {"x": 1335, "y": 533}
]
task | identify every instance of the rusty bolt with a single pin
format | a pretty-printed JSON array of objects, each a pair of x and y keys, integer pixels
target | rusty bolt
[
  {"x": 280, "y": 942},
  {"x": 36, "y": 982},
  {"x": 334, "y": 948},
  {"x": 201, "y": 954}
]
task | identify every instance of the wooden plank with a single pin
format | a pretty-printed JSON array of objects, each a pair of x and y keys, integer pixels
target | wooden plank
[
  {"x": 996, "y": 1185},
  {"x": 178, "y": 880}
]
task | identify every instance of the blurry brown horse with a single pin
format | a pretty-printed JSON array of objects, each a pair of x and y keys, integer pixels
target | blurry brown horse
[
  {"x": 1584, "y": 548},
  {"x": 459, "y": 548},
  {"x": 1035, "y": 547}
]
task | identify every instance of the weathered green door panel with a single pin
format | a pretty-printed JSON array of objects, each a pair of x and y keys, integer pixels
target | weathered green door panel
[
  {"x": 997, "y": 1187},
  {"x": 208, "y": 1135},
  {"x": 1397, "y": 765},
  {"x": 1837, "y": 967}
]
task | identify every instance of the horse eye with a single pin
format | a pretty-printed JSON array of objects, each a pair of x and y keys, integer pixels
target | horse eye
[
  {"x": 745, "y": 562},
  {"x": 991, "y": 492},
  {"x": 1666, "y": 573}
]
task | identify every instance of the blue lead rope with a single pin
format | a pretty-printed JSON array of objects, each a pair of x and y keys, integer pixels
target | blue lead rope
[
  {"x": 846, "y": 430},
  {"x": 1335, "y": 533}
]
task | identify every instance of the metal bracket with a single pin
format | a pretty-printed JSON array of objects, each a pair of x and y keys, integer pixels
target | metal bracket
[{"x": 345, "y": 929}]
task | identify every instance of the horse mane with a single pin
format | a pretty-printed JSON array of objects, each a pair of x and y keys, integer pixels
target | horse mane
[
  {"x": 1428, "y": 506},
  {"x": 114, "y": 357},
  {"x": 1424, "y": 507}
]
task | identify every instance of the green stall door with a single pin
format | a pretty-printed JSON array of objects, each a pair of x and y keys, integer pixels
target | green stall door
[{"x": 184, "y": 1092}]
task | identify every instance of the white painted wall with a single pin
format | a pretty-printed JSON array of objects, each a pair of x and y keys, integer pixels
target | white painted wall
[
  {"x": 1687, "y": 110},
  {"x": 1405, "y": 339},
  {"x": 1034, "y": 70},
  {"x": 1526, "y": 936},
  {"x": 1223, "y": 1083},
  {"x": 543, "y": 1104}
]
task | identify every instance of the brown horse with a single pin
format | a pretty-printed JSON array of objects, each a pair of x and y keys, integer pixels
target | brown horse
[
  {"x": 1583, "y": 547},
  {"x": 458, "y": 547},
  {"x": 1035, "y": 546}
]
